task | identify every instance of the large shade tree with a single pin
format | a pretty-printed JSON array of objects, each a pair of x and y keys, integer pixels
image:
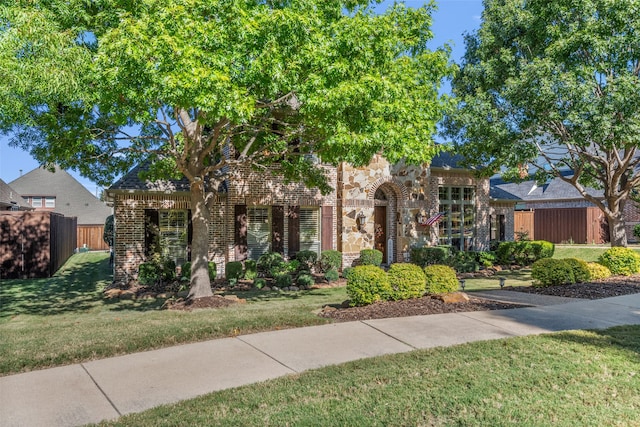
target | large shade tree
[
  {"x": 555, "y": 85},
  {"x": 204, "y": 88}
]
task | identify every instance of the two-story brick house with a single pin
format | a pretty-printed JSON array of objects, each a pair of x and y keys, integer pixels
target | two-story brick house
[{"x": 381, "y": 206}]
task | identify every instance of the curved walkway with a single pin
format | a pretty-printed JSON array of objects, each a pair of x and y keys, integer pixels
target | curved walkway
[{"x": 105, "y": 389}]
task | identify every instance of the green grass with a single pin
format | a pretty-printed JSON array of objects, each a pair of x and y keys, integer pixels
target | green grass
[
  {"x": 65, "y": 319},
  {"x": 564, "y": 379}
]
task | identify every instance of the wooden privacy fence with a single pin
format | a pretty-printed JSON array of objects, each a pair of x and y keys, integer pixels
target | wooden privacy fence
[
  {"x": 91, "y": 235},
  {"x": 564, "y": 225},
  {"x": 35, "y": 244}
]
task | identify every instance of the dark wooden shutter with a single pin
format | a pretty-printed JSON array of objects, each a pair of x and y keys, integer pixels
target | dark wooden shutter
[
  {"x": 294, "y": 230},
  {"x": 151, "y": 229},
  {"x": 277, "y": 229},
  {"x": 240, "y": 232},
  {"x": 327, "y": 228},
  {"x": 189, "y": 234},
  {"x": 503, "y": 225}
]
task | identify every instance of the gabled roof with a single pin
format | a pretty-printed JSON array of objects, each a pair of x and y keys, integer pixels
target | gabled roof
[
  {"x": 72, "y": 198},
  {"x": 10, "y": 198},
  {"x": 446, "y": 160},
  {"x": 530, "y": 191},
  {"x": 132, "y": 181}
]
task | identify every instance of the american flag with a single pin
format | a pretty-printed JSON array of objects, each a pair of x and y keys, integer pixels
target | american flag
[{"x": 435, "y": 218}]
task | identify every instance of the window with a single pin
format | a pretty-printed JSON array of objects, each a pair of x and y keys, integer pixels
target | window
[
  {"x": 173, "y": 233},
  {"x": 258, "y": 231},
  {"x": 310, "y": 229},
  {"x": 497, "y": 232},
  {"x": 49, "y": 202},
  {"x": 457, "y": 228},
  {"x": 36, "y": 202}
]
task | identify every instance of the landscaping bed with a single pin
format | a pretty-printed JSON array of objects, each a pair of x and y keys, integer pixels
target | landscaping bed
[{"x": 604, "y": 288}]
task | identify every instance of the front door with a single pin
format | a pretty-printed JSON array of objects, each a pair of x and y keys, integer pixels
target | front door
[{"x": 380, "y": 230}]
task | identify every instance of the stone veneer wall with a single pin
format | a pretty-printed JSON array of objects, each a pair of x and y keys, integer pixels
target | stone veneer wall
[{"x": 506, "y": 209}]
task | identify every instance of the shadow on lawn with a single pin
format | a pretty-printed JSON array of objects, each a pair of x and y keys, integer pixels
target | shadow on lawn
[
  {"x": 626, "y": 338},
  {"x": 76, "y": 287}
]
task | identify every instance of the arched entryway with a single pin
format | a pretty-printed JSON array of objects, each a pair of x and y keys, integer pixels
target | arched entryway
[{"x": 385, "y": 220}]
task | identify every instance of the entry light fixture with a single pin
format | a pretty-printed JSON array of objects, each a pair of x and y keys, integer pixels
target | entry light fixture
[
  {"x": 502, "y": 280},
  {"x": 361, "y": 220},
  {"x": 462, "y": 283}
]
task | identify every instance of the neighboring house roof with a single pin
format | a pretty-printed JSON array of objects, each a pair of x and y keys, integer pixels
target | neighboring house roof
[
  {"x": 72, "y": 198},
  {"x": 529, "y": 191},
  {"x": 11, "y": 198},
  {"x": 132, "y": 181},
  {"x": 446, "y": 160}
]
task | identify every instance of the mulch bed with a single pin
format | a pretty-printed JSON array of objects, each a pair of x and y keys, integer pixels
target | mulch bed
[
  {"x": 215, "y": 301},
  {"x": 605, "y": 288},
  {"x": 410, "y": 307}
]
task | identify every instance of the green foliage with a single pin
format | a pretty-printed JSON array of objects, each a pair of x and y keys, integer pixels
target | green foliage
[
  {"x": 486, "y": 259},
  {"x": 370, "y": 257},
  {"x": 636, "y": 231},
  {"x": 551, "y": 271},
  {"x": 307, "y": 259},
  {"x": 367, "y": 284},
  {"x": 524, "y": 253},
  {"x": 305, "y": 279},
  {"x": 148, "y": 273},
  {"x": 429, "y": 255},
  {"x": 168, "y": 269},
  {"x": 283, "y": 280},
  {"x": 260, "y": 283},
  {"x": 598, "y": 271},
  {"x": 463, "y": 262},
  {"x": 185, "y": 272},
  {"x": 346, "y": 272},
  {"x": 440, "y": 279},
  {"x": 250, "y": 269},
  {"x": 233, "y": 270},
  {"x": 294, "y": 265},
  {"x": 330, "y": 260},
  {"x": 108, "y": 234},
  {"x": 407, "y": 281},
  {"x": 331, "y": 275},
  {"x": 212, "y": 269},
  {"x": 581, "y": 273},
  {"x": 523, "y": 77},
  {"x": 269, "y": 260},
  {"x": 621, "y": 261}
]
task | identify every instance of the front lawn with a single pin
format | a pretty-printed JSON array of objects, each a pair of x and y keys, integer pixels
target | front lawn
[
  {"x": 65, "y": 319},
  {"x": 574, "y": 378}
]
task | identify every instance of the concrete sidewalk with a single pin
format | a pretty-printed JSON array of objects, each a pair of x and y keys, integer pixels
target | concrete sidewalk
[{"x": 105, "y": 389}]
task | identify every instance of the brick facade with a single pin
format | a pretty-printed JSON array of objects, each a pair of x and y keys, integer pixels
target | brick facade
[{"x": 397, "y": 192}]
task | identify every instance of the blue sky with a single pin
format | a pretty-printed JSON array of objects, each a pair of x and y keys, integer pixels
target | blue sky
[{"x": 452, "y": 19}]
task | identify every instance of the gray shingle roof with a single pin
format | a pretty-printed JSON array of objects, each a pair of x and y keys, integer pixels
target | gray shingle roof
[
  {"x": 529, "y": 191},
  {"x": 72, "y": 198},
  {"x": 132, "y": 181},
  {"x": 446, "y": 160},
  {"x": 10, "y": 197}
]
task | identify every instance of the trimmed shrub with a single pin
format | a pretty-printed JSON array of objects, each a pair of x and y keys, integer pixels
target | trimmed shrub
[
  {"x": 367, "y": 284},
  {"x": 370, "y": 257},
  {"x": 598, "y": 271},
  {"x": 346, "y": 271},
  {"x": 621, "y": 261},
  {"x": 168, "y": 270},
  {"x": 486, "y": 259},
  {"x": 406, "y": 280},
  {"x": 233, "y": 270},
  {"x": 331, "y": 275},
  {"x": 636, "y": 230},
  {"x": 268, "y": 260},
  {"x": 284, "y": 280},
  {"x": 330, "y": 260},
  {"x": 525, "y": 252},
  {"x": 259, "y": 283},
  {"x": 307, "y": 259},
  {"x": 463, "y": 262},
  {"x": 550, "y": 271},
  {"x": 148, "y": 273},
  {"x": 440, "y": 279},
  {"x": 185, "y": 272},
  {"x": 250, "y": 269},
  {"x": 213, "y": 273},
  {"x": 581, "y": 272},
  {"x": 294, "y": 265},
  {"x": 305, "y": 279},
  {"x": 430, "y": 255}
]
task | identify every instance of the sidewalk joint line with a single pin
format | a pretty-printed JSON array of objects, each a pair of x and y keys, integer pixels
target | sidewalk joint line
[
  {"x": 267, "y": 354},
  {"x": 389, "y": 335},
  {"x": 101, "y": 390}
]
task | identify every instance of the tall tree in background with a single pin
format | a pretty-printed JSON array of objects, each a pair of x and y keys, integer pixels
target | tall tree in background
[
  {"x": 210, "y": 86},
  {"x": 555, "y": 85}
]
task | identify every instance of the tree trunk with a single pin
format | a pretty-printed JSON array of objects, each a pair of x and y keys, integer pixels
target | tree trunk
[
  {"x": 200, "y": 283},
  {"x": 617, "y": 231}
]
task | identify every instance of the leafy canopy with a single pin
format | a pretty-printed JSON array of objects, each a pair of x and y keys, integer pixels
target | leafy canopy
[{"x": 203, "y": 87}]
